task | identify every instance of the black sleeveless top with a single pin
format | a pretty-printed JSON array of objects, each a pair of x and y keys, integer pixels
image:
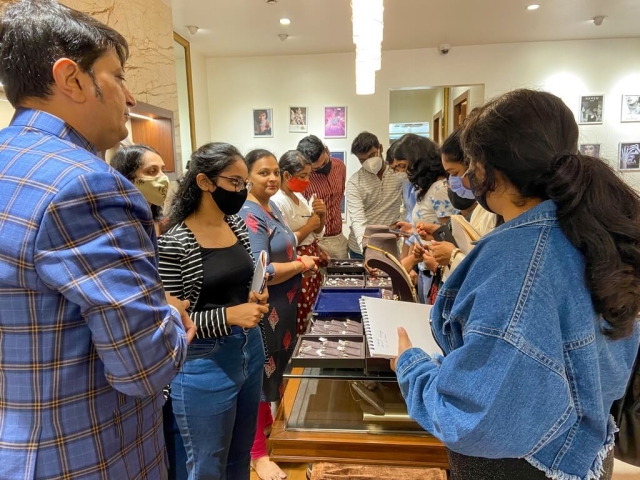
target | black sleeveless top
[{"x": 226, "y": 276}]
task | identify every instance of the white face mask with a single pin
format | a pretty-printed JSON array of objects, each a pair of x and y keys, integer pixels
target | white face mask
[
  {"x": 373, "y": 164},
  {"x": 154, "y": 189}
]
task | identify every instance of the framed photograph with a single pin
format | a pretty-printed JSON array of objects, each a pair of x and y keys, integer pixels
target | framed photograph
[
  {"x": 630, "y": 108},
  {"x": 335, "y": 122},
  {"x": 591, "y": 149},
  {"x": 298, "y": 122},
  {"x": 263, "y": 122},
  {"x": 591, "y": 108},
  {"x": 339, "y": 154},
  {"x": 629, "y": 156}
]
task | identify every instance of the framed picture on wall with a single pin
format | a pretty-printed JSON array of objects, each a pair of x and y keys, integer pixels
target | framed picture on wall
[
  {"x": 335, "y": 122},
  {"x": 629, "y": 156},
  {"x": 630, "y": 108},
  {"x": 339, "y": 154},
  {"x": 298, "y": 122},
  {"x": 263, "y": 122},
  {"x": 342, "y": 156},
  {"x": 591, "y": 108},
  {"x": 591, "y": 149}
]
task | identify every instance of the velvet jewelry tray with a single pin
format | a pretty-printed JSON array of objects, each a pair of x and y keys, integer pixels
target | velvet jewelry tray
[
  {"x": 330, "y": 358},
  {"x": 342, "y": 302}
]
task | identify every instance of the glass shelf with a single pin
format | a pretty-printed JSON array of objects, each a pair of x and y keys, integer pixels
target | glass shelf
[
  {"x": 346, "y": 405},
  {"x": 340, "y": 374}
]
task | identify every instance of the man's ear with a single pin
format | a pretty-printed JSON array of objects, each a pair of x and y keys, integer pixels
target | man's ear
[{"x": 70, "y": 80}]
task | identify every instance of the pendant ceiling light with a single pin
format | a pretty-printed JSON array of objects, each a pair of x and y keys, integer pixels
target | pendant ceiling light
[{"x": 368, "y": 26}]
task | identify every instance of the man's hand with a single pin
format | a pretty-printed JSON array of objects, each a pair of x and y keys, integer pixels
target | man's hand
[
  {"x": 425, "y": 230},
  {"x": 404, "y": 344},
  {"x": 442, "y": 251},
  {"x": 319, "y": 208},
  {"x": 181, "y": 306}
]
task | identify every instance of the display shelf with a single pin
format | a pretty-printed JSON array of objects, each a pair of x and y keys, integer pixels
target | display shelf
[{"x": 324, "y": 417}]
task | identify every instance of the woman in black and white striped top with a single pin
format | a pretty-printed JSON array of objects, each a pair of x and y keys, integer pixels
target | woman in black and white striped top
[{"x": 205, "y": 257}]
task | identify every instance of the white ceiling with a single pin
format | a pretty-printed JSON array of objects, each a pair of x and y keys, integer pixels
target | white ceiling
[{"x": 251, "y": 27}]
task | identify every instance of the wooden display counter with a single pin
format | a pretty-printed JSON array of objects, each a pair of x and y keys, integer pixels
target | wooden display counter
[{"x": 323, "y": 419}]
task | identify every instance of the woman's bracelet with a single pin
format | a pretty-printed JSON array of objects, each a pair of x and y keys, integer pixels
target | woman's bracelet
[
  {"x": 303, "y": 265},
  {"x": 455, "y": 252}
]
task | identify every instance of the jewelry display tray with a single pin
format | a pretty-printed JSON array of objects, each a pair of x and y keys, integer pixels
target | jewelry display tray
[{"x": 358, "y": 362}]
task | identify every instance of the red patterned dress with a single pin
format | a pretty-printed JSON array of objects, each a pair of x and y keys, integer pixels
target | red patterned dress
[
  {"x": 310, "y": 288},
  {"x": 269, "y": 232}
]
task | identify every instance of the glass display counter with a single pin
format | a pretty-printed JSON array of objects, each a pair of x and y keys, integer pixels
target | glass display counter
[{"x": 340, "y": 415}]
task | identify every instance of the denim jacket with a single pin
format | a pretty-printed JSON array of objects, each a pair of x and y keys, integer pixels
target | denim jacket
[{"x": 527, "y": 372}]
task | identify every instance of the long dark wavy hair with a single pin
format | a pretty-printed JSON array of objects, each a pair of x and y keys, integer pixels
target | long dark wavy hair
[
  {"x": 531, "y": 138},
  {"x": 425, "y": 165},
  {"x": 211, "y": 159}
]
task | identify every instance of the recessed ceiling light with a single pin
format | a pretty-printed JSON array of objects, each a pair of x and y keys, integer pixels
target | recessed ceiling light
[
  {"x": 285, "y": 21},
  {"x": 535, "y": 6}
]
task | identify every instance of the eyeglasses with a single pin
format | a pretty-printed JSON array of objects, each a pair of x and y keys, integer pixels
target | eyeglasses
[
  {"x": 399, "y": 168},
  {"x": 238, "y": 184}
]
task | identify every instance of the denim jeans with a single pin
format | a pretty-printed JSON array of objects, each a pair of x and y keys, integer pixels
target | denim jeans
[
  {"x": 215, "y": 402},
  {"x": 424, "y": 286},
  {"x": 175, "y": 446}
]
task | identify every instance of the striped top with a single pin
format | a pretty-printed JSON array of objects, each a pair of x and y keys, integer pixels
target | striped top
[
  {"x": 182, "y": 274},
  {"x": 330, "y": 189},
  {"x": 371, "y": 201}
]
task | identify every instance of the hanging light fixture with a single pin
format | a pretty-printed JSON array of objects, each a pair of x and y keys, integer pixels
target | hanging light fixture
[{"x": 368, "y": 25}]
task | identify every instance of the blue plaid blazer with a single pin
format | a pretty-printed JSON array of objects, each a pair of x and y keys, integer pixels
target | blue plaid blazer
[{"x": 87, "y": 340}]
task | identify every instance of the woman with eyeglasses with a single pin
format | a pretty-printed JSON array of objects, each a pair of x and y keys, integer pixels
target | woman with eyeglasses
[
  {"x": 269, "y": 231},
  {"x": 206, "y": 258}
]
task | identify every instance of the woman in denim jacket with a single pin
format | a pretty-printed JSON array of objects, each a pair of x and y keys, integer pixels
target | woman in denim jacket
[{"x": 538, "y": 323}]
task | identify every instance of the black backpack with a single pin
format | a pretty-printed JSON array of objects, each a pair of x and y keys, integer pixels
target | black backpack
[{"x": 626, "y": 413}]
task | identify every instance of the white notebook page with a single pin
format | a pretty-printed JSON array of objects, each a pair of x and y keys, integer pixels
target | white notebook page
[{"x": 381, "y": 319}]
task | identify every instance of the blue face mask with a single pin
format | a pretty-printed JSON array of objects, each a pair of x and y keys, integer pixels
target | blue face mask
[{"x": 455, "y": 183}]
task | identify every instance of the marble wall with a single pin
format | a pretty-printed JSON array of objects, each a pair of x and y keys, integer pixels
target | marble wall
[{"x": 151, "y": 71}]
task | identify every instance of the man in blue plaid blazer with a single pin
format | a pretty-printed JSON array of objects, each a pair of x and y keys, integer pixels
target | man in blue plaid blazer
[{"x": 87, "y": 339}]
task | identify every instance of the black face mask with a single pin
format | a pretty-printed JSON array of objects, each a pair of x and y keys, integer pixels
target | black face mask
[
  {"x": 458, "y": 202},
  {"x": 229, "y": 202},
  {"x": 482, "y": 200},
  {"x": 325, "y": 169}
]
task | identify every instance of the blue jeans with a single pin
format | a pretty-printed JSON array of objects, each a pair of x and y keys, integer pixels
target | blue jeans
[
  {"x": 355, "y": 255},
  {"x": 215, "y": 402},
  {"x": 424, "y": 286}
]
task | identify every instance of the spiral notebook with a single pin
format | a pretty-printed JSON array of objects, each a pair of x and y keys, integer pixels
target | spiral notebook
[
  {"x": 260, "y": 273},
  {"x": 381, "y": 319}
]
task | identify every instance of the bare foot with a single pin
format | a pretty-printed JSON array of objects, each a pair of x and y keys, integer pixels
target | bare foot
[{"x": 266, "y": 469}]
